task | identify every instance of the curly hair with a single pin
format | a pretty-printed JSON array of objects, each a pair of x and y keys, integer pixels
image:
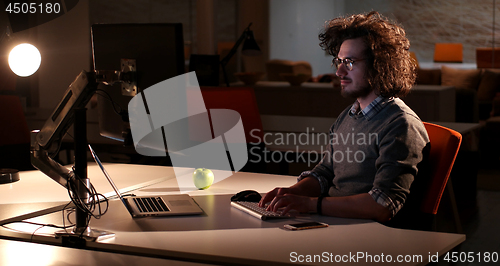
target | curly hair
[{"x": 391, "y": 71}]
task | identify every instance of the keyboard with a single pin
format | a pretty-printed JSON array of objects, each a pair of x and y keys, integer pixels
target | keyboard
[
  {"x": 253, "y": 209},
  {"x": 150, "y": 204}
]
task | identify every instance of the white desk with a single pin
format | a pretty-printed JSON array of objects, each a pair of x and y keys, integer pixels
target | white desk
[
  {"x": 223, "y": 234},
  {"x": 24, "y": 253}
]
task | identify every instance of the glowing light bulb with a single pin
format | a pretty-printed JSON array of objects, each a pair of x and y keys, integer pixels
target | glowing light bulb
[{"x": 24, "y": 59}]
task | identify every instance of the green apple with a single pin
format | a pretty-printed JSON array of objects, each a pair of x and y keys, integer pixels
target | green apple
[{"x": 203, "y": 178}]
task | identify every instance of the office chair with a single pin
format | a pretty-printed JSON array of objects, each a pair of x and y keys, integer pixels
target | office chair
[
  {"x": 487, "y": 57},
  {"x": 421, "y": 207},
  {"x": 445, "y": 144},
  {"x": 242, "y": 100},
  {"x": 448, "y": 52}
]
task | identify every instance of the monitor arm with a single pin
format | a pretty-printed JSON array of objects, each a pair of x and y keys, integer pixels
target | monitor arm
[{"x": 45, "y": 143}]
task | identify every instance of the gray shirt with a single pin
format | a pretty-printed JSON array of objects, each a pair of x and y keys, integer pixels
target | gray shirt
[{"x": 374, "y": 151}]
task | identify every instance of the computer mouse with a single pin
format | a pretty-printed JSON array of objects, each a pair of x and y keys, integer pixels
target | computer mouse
[{"x": 247, "y": 195}]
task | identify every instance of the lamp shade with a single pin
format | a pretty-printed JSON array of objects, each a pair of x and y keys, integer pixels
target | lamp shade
[
  {"x": 24, "y": 59},
  {"x": 250, "y": 46}
]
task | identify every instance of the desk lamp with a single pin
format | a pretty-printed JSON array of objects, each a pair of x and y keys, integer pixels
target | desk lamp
[
  {"x": 24, "y": 60},
  {"x": 249, "y": 48}
]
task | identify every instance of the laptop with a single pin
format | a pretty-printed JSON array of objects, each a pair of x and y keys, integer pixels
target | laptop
[{"x": 146, "y": 206}]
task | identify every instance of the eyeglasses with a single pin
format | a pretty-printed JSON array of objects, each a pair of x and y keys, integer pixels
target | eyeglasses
[{"x": 348, "y": 63}]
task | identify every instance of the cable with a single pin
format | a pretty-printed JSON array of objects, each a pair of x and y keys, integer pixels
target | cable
[
  {"x": 33, "y": 223},
  {"x": 34, "y": 232},
  {"x": 93, "y": 199},
  {"x": 91, "y": 206},
  {"x": 116, "y": 107},
  {"x": 47, "y": 225}
]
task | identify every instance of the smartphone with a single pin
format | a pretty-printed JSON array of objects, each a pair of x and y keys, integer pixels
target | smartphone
[{"x": 302, "y": 226}]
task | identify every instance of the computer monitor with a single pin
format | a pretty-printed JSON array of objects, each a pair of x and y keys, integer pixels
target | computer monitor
[{"x": 158, "y": 51}]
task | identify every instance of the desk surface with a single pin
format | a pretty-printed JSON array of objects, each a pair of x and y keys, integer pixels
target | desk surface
[
  {"x": 222, "y": 234},
  {"x": 24, "y": 253}
]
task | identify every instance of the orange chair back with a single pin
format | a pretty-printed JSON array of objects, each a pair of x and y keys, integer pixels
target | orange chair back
[
  {"x": 445, "y": 144},
  {"x": 448, "y": 52},
  {"x": 240, "y": 99},
  {"x": 487, "y": 57}
]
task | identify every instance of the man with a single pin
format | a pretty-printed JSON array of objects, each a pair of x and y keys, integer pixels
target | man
[{"x": 376, "y": 144}]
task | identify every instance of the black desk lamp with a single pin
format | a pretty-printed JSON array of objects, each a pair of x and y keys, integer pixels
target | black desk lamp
[{"x": 249, "y": 48}]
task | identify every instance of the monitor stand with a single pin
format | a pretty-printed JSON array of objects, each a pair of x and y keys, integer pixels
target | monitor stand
[{"x": 82, "y": 230}]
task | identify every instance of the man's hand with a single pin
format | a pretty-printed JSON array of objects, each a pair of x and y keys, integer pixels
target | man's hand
[
  {"x": 296, "y": 196},
  {"x": 302, "y": 204},
  {"x": 272, "y": 194},
  {"x": 355, "y": 206}
]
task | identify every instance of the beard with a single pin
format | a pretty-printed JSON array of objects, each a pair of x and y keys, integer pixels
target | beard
[{"x": 356, "y": 92}]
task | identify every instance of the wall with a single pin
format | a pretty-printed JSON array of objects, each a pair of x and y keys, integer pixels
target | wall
[
  {"x": 439, "y": 21},
  {"x": 169, "y": 11},
  {"x": 257, "y": 13},
  {"x": 148, "y": 11},
  {"x": 289, "y": 26},
  {"x": 222, "y": 21},
  {"x": 294, "y": 29},
  {"x": 294, "y": 25},
  {"x": 64, "y": 44}
]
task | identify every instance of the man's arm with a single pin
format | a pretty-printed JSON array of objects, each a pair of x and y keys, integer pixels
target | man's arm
[
  {"x": 361, "y": 206},
  {"x": 308, "y": 186},
  {"x": 356, "y": 206},
  {"x": 303, "y": 196}
]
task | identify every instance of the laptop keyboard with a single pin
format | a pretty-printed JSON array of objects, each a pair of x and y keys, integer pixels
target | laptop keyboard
[
  {"x": 151, "y": 204},
  {"x": 253, "y": 209}
]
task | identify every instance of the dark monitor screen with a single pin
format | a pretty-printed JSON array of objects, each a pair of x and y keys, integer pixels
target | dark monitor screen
[{"x": 158, "y": 51}]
